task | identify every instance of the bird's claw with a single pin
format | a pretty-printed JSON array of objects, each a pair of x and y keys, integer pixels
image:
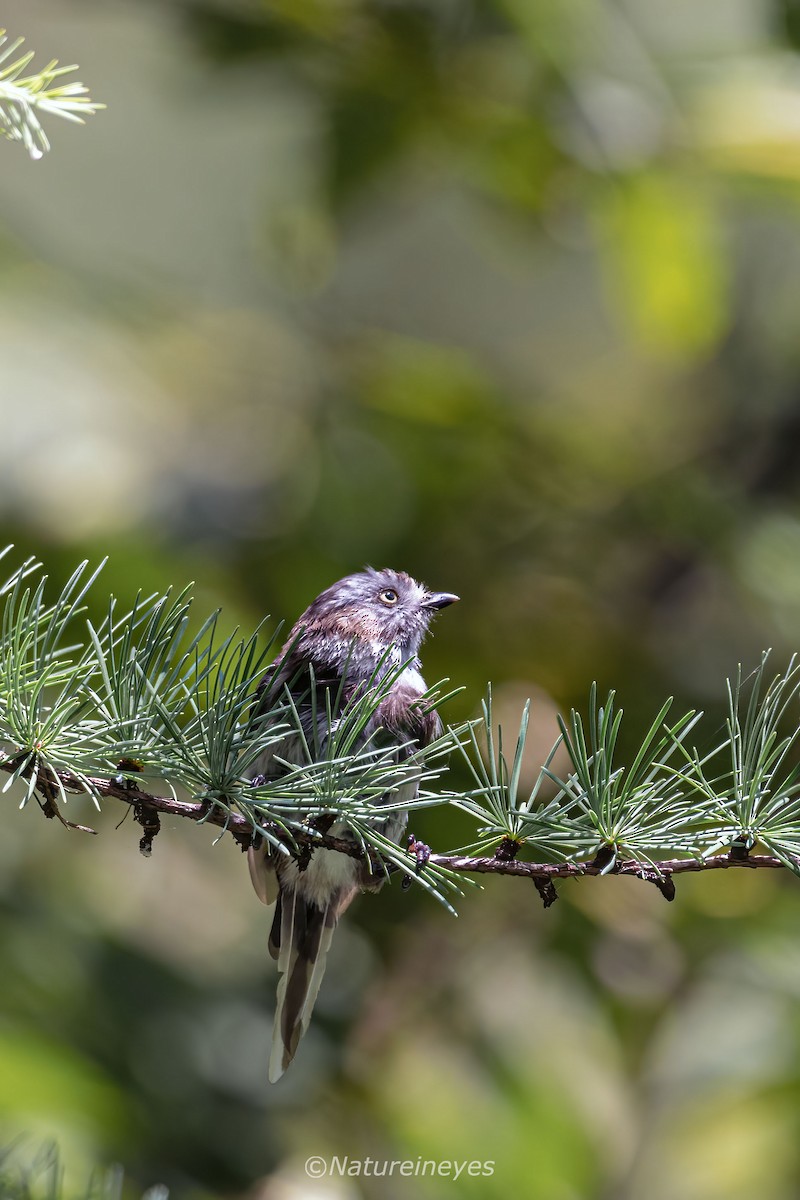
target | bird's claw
[
  {"x": 420, "y": 851},
  {"x": 126, "y": 768}
]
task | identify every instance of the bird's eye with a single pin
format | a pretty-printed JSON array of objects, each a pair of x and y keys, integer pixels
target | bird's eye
[{"x": 389, "y": 596}]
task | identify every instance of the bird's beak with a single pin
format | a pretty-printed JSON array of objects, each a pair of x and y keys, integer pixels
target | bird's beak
[{"x": 439, "y": 599}]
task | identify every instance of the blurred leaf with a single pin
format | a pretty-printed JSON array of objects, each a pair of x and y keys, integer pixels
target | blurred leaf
[
  {"x": 665, "y": 264},
  {"x": 47, "y": 1081}
]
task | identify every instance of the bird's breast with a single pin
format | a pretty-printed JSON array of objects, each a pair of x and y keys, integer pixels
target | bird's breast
[{"x": 410, "y": 678}]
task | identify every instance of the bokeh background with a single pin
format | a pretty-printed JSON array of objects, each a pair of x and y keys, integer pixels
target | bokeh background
[{"x": 502, "y": 292}]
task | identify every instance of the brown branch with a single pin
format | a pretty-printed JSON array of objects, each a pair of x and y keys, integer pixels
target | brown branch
[
  {"x": 572, "y": 870},
  {"x": 241, "y": 829}
]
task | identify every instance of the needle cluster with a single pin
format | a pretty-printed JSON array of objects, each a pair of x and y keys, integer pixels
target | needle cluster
[{"x": 151, "y": 706}]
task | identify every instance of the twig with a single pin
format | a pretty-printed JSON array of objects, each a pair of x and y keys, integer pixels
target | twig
[
  {"x": 572, "y": 870},
  {"x": 241, "y": 829}
]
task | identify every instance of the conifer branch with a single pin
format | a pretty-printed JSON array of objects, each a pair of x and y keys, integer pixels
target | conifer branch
[
  {"x": 119, "y": 708},
  {"x": 242, "y": 831},
  {"x": 24, "y": 97}
]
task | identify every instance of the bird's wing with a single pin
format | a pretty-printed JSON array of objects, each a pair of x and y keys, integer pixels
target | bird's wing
[
  {"x": 262, "y": 874},
  {"x": 260, "y": 860}
]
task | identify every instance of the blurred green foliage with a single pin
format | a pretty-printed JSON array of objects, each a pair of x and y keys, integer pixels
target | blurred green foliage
[{"x": 502, "y": 293}]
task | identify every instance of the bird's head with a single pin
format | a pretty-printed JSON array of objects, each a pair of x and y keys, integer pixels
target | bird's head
[{"x": 378, "y": 609}]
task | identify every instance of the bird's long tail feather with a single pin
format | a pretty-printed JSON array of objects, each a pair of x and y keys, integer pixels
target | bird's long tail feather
[{"x": 301, "y": 937}]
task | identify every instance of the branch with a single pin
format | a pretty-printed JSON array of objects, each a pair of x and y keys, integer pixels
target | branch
[
  {"x": 650, "y": 871},
  {"x": 140, "y": 688},
  {"x": 21, "y": 95},
  {"x": 204, "y": 812},
  {"x": 241, "y": 829}
]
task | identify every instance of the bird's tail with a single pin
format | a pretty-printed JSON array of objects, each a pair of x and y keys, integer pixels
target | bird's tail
[{"x": 300, "y": 939}]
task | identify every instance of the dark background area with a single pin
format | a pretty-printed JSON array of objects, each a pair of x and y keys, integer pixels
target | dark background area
[{"x": 502, "y": 294}]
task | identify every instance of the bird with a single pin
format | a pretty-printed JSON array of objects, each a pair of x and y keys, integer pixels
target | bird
[{"x": 359, "y": 628}]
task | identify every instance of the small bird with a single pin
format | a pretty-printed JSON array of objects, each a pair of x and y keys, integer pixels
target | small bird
[{"x": 370, "y": 622}]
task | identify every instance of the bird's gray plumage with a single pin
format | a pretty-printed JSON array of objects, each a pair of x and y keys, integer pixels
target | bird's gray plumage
[{"x": 369, "y": 620}]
